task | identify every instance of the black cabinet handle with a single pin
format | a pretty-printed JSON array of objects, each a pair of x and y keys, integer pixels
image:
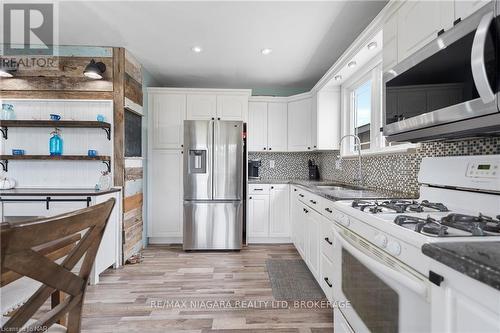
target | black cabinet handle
[
  {"x": 328, "y": 241},
  {"x": 258, "y": 189},
  {"x": 295, "y": 190},
  {"x": 218, "y": 118},
  {"x": 457, "y": 21},
  {"x": 270, "y": 148},
  {"x": 328, "y": 210},
  {"x": 305, "y": 210},
  {"x": 328, "y": 282},
  {"x": 301, "y": 195},
  {"x": 308, "y": 147},
  {"x": 213, "y": 118},
  {"x": 314, "y": 146},
  {"x": 264, "y": 148},
  {"x": 272, "y": 187},
  {"x": 250, "y": 198},
  {"x": 440, "y": 32},
  {"x": 312, "y": 201}
]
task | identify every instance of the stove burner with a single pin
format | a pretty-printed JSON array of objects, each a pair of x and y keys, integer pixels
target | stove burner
[
  {"x": 426, "y": 226},
  {"x": 476, "y": 225},
  {"x": 397, "y": 206}
]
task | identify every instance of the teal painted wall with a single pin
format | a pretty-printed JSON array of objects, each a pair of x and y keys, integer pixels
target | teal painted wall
[{"x": 284, "y": 92}]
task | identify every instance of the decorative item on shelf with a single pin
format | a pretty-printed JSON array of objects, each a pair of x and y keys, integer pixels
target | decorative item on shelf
[
  {"x": 8, "y": 112},
  {"x": 104, "y": 181},
  {"x": 6, "y": 183},
  {"x": 100, "y": 118},
  {"x": 92, "y": 153},
  {"x": 18, "y": 152},
  {"x": 56, "y": 143},
  {"x": 94, "y": 70},
  {"x": 55, "y": 117}
]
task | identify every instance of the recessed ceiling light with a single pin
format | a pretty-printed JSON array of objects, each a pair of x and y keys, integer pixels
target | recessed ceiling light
[
  {"x": 266, "y": 51},
  {"x": 337, "y": 77},
  {"x": 371, "y": 45},
  {"x": 351, "y": 64},
  {"x": 196, "y": 49}
]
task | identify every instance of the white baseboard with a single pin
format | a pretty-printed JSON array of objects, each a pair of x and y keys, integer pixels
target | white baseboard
[
  {"x": 269, "y": 240},
  {"x": 164, "y": 240}
]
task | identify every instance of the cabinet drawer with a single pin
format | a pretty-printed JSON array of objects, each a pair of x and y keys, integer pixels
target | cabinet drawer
[
  {"x": 258, "y": 189},
  {"x": 327, "y": 239},
  {"x": 326, "y": 278},
  {"x": 313, "y": 201},
  {"x": 327, "y": 208}
]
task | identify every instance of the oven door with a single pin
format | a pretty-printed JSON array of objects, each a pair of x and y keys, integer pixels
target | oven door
[
  {"x": 452, "y": 79},
  {"x": 377, "y": 293}
]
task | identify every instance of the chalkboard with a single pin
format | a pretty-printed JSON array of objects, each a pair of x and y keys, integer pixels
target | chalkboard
[{"x": 133, "y": 134}]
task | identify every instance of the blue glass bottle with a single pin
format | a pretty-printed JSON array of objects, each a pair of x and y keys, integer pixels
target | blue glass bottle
[{"x": 56, "y": 143}]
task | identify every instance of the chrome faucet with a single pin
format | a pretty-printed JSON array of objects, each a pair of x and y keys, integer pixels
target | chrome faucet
[{"x": 359, "y": 176}]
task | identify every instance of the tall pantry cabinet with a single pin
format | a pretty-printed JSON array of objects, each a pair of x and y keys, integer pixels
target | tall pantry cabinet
[{"x": 168, "y": 108}]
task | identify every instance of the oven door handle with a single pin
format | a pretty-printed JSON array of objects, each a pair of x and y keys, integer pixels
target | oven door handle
[
  {"x": 417, "y": 286},
  {"x": 477, "y": 60}
]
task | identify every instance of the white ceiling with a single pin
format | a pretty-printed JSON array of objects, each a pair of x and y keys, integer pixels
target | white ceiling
[{"x": 306, "y": 38}]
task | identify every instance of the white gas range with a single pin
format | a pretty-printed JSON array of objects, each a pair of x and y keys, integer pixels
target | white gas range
[{"x": 378, "y": 243}]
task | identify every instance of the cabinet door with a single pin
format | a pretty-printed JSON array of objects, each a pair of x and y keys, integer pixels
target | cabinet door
[
  {"x": 232, "y": 107},
  {"x": 166, "y": 194},
  {"x": 258, "y": 216},
  {"x": 313, "y": 242},
  {"x": 390, "y": 38},
  {"x": 464, "y": 8},
  {"x": 419, "y": 22},
  {"x": 277, "y": 120},
  {"x": 169, "y": 112},
  {"x": 279, "y": 221},
  {"x": 299, "y": 125},
  {"x": 257, "y": 126},
  {"x": 201, "y": 107}
]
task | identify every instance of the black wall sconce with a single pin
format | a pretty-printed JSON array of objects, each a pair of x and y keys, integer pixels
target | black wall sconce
[{"x": 94, "y": 70}]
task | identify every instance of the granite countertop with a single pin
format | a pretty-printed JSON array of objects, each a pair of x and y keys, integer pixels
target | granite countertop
[
  {"x": 350, "y": 192},
  {"x": 56, "y": 192},
  {"x": 478, "y": 260}
]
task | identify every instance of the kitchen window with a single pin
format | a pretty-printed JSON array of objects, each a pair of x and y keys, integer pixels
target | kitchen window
[{"x": 362, "y": 111}]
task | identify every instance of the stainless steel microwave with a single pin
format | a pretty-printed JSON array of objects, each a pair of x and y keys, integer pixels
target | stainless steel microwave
[{"x": 449, "y": 88}]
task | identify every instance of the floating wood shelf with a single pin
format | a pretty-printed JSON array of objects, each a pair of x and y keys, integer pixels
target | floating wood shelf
[
  {"x": 5, "y": 124},
  {"x": 6, "y": 158}
]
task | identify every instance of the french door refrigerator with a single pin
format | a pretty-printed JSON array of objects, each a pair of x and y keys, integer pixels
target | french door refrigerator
[{"x": 213, "y": 184}]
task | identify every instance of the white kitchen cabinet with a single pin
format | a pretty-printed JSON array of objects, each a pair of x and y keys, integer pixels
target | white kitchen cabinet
[
  {"x": 325, "y": 119},
  {"x": 257, "y": 126},
  {"x": 419, "y": 22},
  {"x": 168, "y": 112},
  {"x": 165, "y": 202},
  {"x": 299, "y": 125},
  {"x": 258, "y": 216},
  {"x": 232, "y": 107},
  {"x": 461, "y": 304},
  {"x": 277, "y": 117},
  {"x": 279, "y": 221},
  {"x": 312, "y": 226},
  {"x": 464, "y": 8},
  {"x": 390, "y": 42},
  {"x": 326, "y": 277},
  {"x": 201, "y": 106},
  {"x": 297, "y": 218}
]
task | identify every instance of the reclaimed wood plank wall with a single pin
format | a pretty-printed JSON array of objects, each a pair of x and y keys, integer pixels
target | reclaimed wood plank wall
[{"x": 133, "y": 176}]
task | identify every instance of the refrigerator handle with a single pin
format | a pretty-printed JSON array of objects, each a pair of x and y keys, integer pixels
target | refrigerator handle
[
  {"x": 211, "y": 148},
  {"x": 216, "y": 137}
]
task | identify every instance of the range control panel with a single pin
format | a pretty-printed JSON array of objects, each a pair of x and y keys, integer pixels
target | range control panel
[{"x": 483, "y": 170}]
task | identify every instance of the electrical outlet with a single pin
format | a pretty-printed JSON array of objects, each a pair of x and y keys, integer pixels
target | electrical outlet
[
  {"x": 338, "y": 166},
  {"x": 271, "y": 164}
]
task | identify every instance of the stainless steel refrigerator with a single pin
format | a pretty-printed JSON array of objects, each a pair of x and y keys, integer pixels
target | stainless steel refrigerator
[{"x": 213, "y": 184}]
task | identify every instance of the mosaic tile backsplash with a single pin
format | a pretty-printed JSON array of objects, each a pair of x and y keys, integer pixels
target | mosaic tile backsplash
[{"x": 391, "y": 171}]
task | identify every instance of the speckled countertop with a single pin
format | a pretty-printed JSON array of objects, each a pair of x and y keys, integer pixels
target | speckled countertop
[
  {"x": 479, "y": 260},
  {"x": 350, "y": 192}
]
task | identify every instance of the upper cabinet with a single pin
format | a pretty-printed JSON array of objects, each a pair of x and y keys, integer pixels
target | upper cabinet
[
  {"x": 201, "y": 106},
  {"x": 299, "y": 125},
  {"x": 390, "y": 42},
  {"x": 419, "y": 23},
  {"x": 267, "y": 124},
  {"x": 464, "y": 8},
  {"x": 257, "y": 126},
  {"x": 232, "y": 107},
  {"x": 325, "y": 129},
  {"x": 277, "y": 116},
  {"x": 169, "y": 112}
]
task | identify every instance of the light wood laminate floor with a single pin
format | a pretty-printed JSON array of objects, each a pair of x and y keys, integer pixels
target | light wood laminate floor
[{"x": 122, "y": 302}]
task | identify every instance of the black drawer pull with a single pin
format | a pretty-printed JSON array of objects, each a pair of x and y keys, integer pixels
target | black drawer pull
[
  {"x": 258, "y": 189},
  {"x": 312, "y": 201},
  {"x": 329, "y": 210},
  {"x": 295, "y": 190},
  {"x": 328, "y": 282},
  {"x": 328, "y": 241},
  {"x": 301, "y": 195},
  {"x": 305, "y": 210}
]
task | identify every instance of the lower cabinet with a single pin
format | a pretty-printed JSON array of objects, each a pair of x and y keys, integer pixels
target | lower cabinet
[
  {"x": 268, "y": 214},
  {"x": 312, "y": 231},
  {"x": 165, "y": 220}
]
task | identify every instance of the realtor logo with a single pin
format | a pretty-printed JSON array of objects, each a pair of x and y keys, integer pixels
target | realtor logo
[{"x": 28, "y": 28}]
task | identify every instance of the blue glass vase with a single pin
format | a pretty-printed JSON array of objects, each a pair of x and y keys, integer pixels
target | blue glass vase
[{"x": 56, "y": 144}]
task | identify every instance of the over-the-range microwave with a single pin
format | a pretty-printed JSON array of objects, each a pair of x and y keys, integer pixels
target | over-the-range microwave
[{"x": 449, "y": 88}]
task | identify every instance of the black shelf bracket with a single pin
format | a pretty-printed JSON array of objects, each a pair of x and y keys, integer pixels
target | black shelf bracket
[
  {"x": 108, "y": 132},
  {"x": 4, "y": 130},
  {"x": 108, "y": 165},
  {"x": 5, "y": 165}
]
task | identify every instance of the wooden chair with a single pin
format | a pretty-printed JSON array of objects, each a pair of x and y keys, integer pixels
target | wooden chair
[{"x": 21, "y": 256}]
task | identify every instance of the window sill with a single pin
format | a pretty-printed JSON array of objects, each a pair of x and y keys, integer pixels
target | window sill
[{"x": 401, "y": 149}]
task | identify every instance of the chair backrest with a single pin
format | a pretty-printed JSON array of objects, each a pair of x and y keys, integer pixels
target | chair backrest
[{"x": 18, "y": 241}]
